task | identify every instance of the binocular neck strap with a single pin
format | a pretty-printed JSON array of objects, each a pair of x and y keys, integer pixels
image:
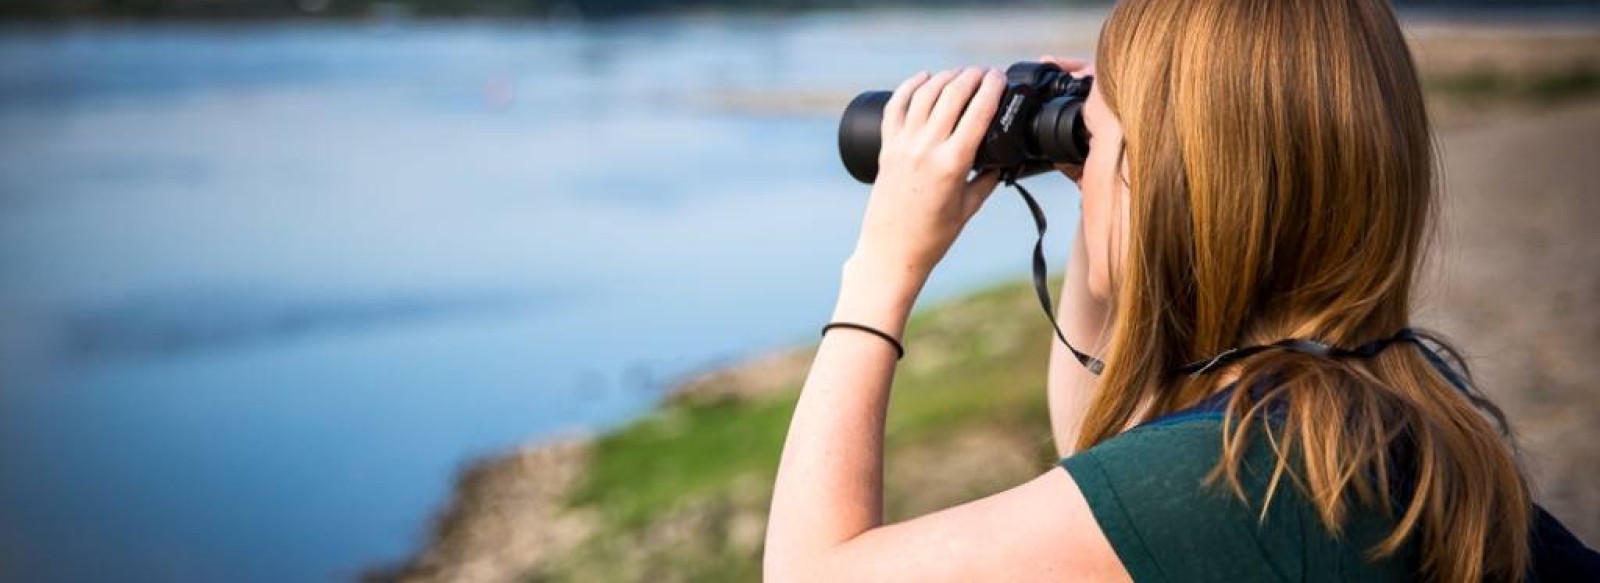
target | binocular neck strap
[
  {"x": 1311, "y": 347},
  {"x": 1039, "y": 285}
]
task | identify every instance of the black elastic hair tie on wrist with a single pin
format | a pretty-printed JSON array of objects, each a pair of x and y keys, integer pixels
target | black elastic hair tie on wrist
[{"x": 899, "y": 350}]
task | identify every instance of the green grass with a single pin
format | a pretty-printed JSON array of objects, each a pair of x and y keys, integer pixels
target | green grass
[
  {"x": 992, "y": 349},
  {"x": 679, "y": 452}
]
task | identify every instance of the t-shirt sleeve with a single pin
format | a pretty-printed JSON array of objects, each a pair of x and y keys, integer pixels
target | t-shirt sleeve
[{"x": 1147, "y": 491}]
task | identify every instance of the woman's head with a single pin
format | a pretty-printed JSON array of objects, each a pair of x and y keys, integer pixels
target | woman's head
[
  {"x": 1282, "y": 161},
  {"x": 1260, "y": 170}
]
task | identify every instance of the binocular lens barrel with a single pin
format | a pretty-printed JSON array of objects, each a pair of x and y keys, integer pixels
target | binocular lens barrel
[{"x": 859, "y": 134}]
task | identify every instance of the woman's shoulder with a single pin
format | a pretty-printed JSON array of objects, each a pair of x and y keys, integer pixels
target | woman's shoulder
[{"x": 1149, "y": 492}]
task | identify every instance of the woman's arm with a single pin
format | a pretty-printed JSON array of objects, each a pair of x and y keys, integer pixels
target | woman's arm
[
  {"x": 1082, "y": 318},
  {"x": 826, "y": 518},
  {"x": 830, "y": 477}
]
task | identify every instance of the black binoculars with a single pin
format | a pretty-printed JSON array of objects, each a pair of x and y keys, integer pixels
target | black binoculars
[{"x": 1039, "y": 124}]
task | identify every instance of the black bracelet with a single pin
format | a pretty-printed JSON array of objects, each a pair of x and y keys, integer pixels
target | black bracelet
[{"x": 898, "y": 349}]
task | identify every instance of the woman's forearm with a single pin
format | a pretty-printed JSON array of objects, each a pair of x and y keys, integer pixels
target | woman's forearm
[
  {"x": 829, "y": 485},
  {"x": 1070, "y": 386}
]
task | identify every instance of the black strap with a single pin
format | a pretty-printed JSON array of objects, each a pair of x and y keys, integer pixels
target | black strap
[
  {"x": 1310, "y": 347},
  {"x": 1093, "y": 364}
]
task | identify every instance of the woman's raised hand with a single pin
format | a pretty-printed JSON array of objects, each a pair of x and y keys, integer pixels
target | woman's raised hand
[{"x": 922, "y": 198}]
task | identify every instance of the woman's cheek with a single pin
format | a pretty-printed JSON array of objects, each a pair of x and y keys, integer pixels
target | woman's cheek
[
  {"x": 1099, "y": 280},
  {"x": 1094, "y": 242}
]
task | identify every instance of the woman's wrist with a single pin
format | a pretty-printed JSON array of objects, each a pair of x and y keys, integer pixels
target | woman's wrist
[{"x": 877, "y": 293}]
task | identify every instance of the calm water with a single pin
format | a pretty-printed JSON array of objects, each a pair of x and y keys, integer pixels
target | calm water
[{"x": 264, "y": 289}]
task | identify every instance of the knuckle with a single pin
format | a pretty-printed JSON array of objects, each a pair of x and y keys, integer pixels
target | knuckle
[
  {"x": 965, "y": 84},
  {"x": 909, "y": 85}
]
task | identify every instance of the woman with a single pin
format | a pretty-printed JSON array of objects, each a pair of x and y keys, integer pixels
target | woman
[{"x": 1258, "y": 171}]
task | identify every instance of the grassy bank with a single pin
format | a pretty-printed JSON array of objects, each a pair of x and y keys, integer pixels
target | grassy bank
[
  {"x": 977, "y": 364},
  {"x": 681, "y": 494}
]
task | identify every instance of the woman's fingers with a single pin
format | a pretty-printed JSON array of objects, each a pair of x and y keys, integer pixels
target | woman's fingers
[
  {"x": 975, "y": 121},
  {"x": 894, "y": 112},
  {"x": 923, "y": 99},
  {"x": 952, "y": 101}
]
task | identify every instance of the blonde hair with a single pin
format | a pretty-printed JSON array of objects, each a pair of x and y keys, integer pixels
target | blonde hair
[{"x": 1281, "y": 173}]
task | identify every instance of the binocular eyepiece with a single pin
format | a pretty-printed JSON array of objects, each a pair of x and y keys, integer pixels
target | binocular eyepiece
[{"x": 1039, "y": 124}]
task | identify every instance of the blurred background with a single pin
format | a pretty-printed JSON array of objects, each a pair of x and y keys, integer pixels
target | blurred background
[{"x": 498, "y": 290}]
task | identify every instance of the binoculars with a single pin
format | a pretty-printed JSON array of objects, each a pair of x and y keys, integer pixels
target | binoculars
[{"x": 1039, "y": 124}]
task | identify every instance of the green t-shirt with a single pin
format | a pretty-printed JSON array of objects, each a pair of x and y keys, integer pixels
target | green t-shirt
[{"x": 1147, "y": 490}]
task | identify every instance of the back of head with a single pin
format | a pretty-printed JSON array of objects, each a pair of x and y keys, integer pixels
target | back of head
[{"x": 1281, "y": 173}]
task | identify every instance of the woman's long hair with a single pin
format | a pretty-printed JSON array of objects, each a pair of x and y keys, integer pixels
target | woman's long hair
[{"x": 1281, "y": 172}]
